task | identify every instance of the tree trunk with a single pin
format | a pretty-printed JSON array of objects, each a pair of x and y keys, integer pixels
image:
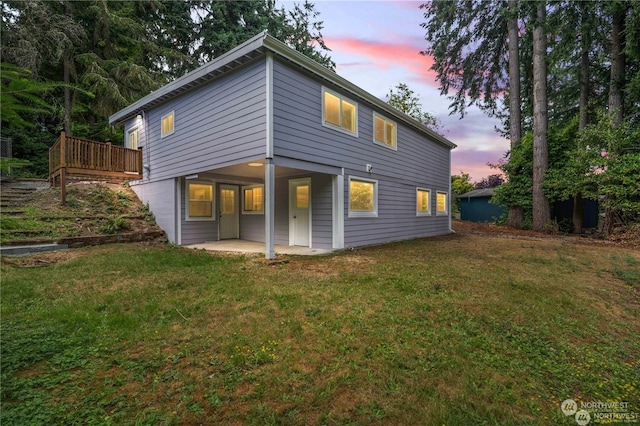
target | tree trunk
[
  {"x": 541, "y": 208},
  {"x": 585, "y": 45},
  {"x": 515, "y": 216},
  {"x": 615, "y": 89},
  {"x": 66, "y": 65},
  {"x": 617, "y": 64}
]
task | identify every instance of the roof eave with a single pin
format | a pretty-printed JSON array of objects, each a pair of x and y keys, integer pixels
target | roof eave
[
  {"x": 285, "y": 51},
  {"x": 224, "y": 62},
  {"x": 250, "y": 49}
]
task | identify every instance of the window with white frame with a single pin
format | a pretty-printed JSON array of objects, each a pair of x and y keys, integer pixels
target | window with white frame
[
  {"x": 167, "y": 125},
  {"x": 199, "y": 203},
  {"x": 384, "y": 131},
  {"x": 442, "y": 203},
  {"x": 133, "y": 138},
  {"x": 253, "y": 199},
  {"x": 339, "y": 112},
  {"x": 423, "y": 202},
  {"x": 363, "y": 197}
]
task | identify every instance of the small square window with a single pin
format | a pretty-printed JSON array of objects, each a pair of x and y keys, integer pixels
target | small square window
[
  {"x": 385, "y": 131},
  {"x": 339, "y": 113},
  {"x": 363, "y": 197},
  {"x": 423, "y": 202},
  {"x": 442, "y": 204},
  {"x": 167, "y": 125},
  {"x": 253, "y": 199}
]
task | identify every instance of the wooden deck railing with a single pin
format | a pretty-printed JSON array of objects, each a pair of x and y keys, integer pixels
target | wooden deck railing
[{"x": 75, "y": 156}]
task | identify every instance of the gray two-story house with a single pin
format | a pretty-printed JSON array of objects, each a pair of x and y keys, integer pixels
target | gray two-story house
[{"x": 264, "y": 144}]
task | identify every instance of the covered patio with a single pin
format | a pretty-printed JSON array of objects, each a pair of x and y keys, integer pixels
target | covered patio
[{"x": 244, "y": 246}]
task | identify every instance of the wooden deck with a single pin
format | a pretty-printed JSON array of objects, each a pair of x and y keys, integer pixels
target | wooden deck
[{"x": 72, "y": 157}]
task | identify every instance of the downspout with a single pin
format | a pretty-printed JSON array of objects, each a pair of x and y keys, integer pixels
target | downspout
[
  {"x": 450, "y": 200},
  {"x": 147, "y": 147}
]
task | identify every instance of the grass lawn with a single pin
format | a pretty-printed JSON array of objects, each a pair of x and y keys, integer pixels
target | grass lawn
[{"x": 459, "y": 330}]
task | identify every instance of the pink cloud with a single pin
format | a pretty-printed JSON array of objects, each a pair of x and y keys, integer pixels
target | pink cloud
[
  {"x": 475, "y": 163},
  {"x": 382, "y": 55}
]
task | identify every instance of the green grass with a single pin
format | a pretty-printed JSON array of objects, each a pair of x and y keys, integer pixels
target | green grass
[
  {"x": 91, "y": 209},
  {"x": 462, "y": 330}
]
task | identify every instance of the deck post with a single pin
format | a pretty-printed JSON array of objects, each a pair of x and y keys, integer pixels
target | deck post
[
  {"x": 108, "y": 159},
  {"x": 140, "y": 162},
  {"x": 63, "y": 168}
]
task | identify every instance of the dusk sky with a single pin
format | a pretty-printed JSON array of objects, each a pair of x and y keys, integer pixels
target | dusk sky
[{"x": 377, "y": 44}]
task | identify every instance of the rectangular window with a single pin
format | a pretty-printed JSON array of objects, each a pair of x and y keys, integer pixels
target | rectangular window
[
  {"x": 133, "y": 138},
  {"x": 363, "y": 197},
  {"x": 167, "y": 125},
  {"x": 423, "y": 202},
  {"x": 385, "y": 131},
  {"x": 339, "y": 113},
  {"x": 253, "y": 199},
  {"x": 200, "y": 201},
  {"x": 442, "y": 207}
]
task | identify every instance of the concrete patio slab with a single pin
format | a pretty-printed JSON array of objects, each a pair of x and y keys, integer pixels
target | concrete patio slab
[{"x": 243, "y": 246}]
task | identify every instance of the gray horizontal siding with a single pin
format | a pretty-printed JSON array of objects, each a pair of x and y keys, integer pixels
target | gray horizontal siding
[
  {"x": 299, "y": 133},
  {"x": 396, "y": 218},
  {"x": 194, "y": 232},
  {"x": 321, "y": 211},
  {"x": 218, "y": 124},
  {"x": 161, "y": 198},
  {"x": 417, "y": 162},
  {"x": 252, "y": 227}
]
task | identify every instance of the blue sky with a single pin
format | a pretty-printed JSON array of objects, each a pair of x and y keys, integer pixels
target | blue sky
[{"x": 376, "y": 45}]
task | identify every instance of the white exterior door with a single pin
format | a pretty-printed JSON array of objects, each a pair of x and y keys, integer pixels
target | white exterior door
[
  {"x": 300, "y": 212},
  {"x": 229, "y": 212}
]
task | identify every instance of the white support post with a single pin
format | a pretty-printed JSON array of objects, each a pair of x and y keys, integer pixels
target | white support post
[
  {"x": 269, "y": 208},
  {"x": 338, "y": 211}
]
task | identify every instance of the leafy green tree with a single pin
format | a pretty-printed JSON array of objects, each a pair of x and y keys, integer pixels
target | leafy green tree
[
  {"x": 518, "y": 166},
  {"x": 619, "y": 163},
  {"x": 405, "y": 100},
  {"x": 460, "y": 184},
  {"x": 491, "y": 181}
]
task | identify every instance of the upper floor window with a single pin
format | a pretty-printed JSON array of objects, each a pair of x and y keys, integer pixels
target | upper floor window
[
  {"x": 442, "y": 204},
  {"x": 363, "y": 197},
  {"x": 339, "y": 112},
  {"x": 253, "y": 199},
  {"x": 423, "y": 202},
  {"x": 200, "y": 201},
  {"x": 167, "y": 124},
  {"x": 385, "y": 131},
  {"x": 133, "y": 138}
]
